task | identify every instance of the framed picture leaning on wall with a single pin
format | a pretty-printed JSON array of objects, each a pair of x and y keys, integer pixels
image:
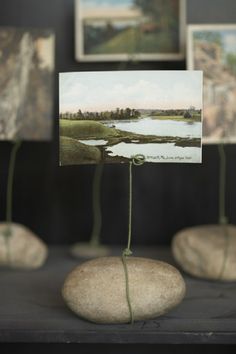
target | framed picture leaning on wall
[
  {"x": 111, "y": 30},
  {"x": 212, "y": 48},
  {"x": 26, "y": 83}
]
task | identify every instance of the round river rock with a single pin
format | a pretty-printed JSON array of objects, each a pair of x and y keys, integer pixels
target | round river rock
[
  {"x": 96, "y": 290},
  {"x": 21, "y": 248},
  {"x": 207, "y": 251}
]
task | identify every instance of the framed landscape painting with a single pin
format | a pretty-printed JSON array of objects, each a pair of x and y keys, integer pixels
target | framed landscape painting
[
  {"x": 212, "y": 48},
  {"x": 26, "y": 83},
  {"x": 111, "y": 30},
  {"x": 112, "y": 116}
]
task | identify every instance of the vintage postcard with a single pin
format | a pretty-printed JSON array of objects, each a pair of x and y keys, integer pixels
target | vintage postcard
[
  {"x": 111, "y": 30},
  {"x": 114, "y": 116},
  {"x": 212, "y": 48},
  {"x": 26, "y": 83}
]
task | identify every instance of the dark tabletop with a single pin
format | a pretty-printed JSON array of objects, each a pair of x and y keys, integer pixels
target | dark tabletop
[{"x": 32, "y": 309}]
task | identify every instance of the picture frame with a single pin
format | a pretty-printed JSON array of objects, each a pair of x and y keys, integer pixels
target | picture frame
[
  {"x": 211, "y": 48},
  {"x": 27, "y": 66},
  {"x": 150, "y": 33}
]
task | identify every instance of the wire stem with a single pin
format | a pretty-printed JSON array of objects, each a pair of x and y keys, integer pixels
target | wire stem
[
  {"x": 222, "y": 217},
  {"x": 97, "y": 214},
  {"x": 223, "y": 220},
  {"x": 130, "y": 206},
  {"x": 136, "y": 160},
  {"x": 10, "y": 181},
  {"x": 127, "y": 252}
]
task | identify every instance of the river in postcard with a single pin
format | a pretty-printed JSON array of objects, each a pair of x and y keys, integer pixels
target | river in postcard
[{"x": 153, "y": 152}]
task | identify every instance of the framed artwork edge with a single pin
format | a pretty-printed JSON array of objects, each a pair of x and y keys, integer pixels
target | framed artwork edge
[
  {"x": 209, "y": 141},
  {"x": 194, "y": 27},
  {"x": 79, "y": 43},
  {"x": 191, "y": 28},
  {"x": 47, "y": 135}
]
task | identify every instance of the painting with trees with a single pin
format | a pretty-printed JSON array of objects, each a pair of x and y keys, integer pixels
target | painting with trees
[
  {"x": 26, "y": 83},
  {"x": 112, "y": 116},
  {"x": 212, "y": 48},
  {"x": 130, "y": 30}
]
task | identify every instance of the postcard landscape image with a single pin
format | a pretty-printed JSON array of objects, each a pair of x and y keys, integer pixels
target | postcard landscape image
[
  {"x": 212, "y": 48},
  {"x": 110, "y": 29},
  {"x": 113, "y": 116}
]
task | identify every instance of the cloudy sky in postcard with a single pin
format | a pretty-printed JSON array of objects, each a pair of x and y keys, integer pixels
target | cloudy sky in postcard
[
  {"x": 106, "y": 3},
  {"x": 99, "y": 91}
]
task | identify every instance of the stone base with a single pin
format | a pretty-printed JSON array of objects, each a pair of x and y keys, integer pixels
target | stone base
[
  {"x": 207, "y": 251},
  {"x": 20, "y": 247},
  {"x": 96, "y": 289}
]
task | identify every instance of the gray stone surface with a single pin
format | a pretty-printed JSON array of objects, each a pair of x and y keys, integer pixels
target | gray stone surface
[
  {"x": 207, "y": 251},
  {"x": 96, "y": 289},
  {"x": 21, "y": 249}
]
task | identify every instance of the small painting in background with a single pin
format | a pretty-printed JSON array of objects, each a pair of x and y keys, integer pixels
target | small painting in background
[
  {"x": 212, "y": 48},
  {"x": 26, "y": 83},
  {"x": 110, "y": 30},
  {"x": 113, "y": 116}
]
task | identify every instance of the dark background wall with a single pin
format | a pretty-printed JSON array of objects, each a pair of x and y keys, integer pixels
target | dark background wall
[{"x": 55, "y": 202}]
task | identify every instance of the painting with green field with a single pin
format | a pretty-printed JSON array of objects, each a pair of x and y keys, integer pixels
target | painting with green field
[
  {"x": 112, "y": 116},
  {"x": 130, "y": 30},
  {"x": 212, "y": 48}
]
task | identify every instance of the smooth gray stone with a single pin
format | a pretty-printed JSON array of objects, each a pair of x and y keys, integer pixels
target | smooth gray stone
[
  {"x": 207, "y": 251},
  {"x": 22, "y": 248},
  {"x": 96, "y": 290}
]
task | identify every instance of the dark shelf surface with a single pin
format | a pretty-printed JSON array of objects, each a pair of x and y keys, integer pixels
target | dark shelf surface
[{"x": 32, "y": 309}]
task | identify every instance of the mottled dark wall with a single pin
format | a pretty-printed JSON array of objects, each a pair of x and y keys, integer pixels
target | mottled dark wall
[{"x": 56, "y": 202}]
